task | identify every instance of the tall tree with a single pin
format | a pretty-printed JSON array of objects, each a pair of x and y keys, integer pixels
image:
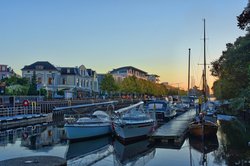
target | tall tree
[
  {"x": 33, "y": 89},
  {"x": 108, "y": 84},
  {"x": 231, "y": 70}
]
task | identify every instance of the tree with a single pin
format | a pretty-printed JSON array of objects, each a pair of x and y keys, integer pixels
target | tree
[
  {"x": 244, "y": 17},
  {"x": 16, "y": 85},
  {"x": 232, "y": 71},
  {"x": 17, "y": 90},
  {"x": 14, "y": 80},
  {"x": 32, "y": 88},
  {"x": 108, "y": 84}
]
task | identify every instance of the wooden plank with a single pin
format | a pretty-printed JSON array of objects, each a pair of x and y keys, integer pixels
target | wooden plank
[{"x": 176, "y": 128}]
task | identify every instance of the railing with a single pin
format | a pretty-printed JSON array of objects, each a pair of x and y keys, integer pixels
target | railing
[{"x": 20, "y": 110}]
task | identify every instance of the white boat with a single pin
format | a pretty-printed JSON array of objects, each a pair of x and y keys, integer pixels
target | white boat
[
  {"x": 99, "y": 123},
  {"x": 133, "y": 122}
]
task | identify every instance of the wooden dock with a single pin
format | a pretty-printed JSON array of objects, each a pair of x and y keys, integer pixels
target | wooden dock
[{"x": 174, "y": 130}]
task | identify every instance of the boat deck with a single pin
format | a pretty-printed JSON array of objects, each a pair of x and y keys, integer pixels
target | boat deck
[{"x": 175, "y": 129}]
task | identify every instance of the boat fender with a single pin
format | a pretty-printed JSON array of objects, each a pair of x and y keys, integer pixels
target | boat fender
[{"x": 26, "y": 103}]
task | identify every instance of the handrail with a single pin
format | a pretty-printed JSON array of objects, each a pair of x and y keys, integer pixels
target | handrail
[
  {"x": 84, "y": 105},
  {"x": 129, "y": 107}
]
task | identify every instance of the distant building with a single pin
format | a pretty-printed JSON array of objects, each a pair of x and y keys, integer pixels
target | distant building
[
  {"x": 154, "y": 78},
  {"x": 94, "y": 81},
  {"x": 47, "y": 75},
  {"x": 5, "y": 71},
  {"x": 120, "y": 73}
]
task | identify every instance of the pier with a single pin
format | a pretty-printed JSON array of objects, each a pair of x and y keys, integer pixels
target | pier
[{"x": 175, "y": 130}]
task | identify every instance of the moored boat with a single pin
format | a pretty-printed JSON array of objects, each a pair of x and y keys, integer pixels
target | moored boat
[
  {"x": 162, "y": 110},
  {"x": 133, "y": 122},
  {"x": 202, "y": 127},
  {"x": 99, "y": 123},
  {"x": 206, "y": 128}
]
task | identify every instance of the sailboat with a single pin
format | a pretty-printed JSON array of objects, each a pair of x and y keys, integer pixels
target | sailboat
[{"x": 202, "y": 126}]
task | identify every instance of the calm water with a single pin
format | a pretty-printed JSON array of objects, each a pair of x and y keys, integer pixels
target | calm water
[{"x": 225, "y": 149}]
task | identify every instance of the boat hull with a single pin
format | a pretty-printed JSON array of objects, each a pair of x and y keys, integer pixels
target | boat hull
[
  {"x": 207, "y": 129},
  {"x": 75, "y": 132},
  {"x": 133, "y": 131}
]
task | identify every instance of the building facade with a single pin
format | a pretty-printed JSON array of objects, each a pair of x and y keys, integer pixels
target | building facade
[
  {"x": 5, "y": 71},
  {"x": 154, "y": 78},
  {"x": 120, "y": 73},
  {"x": 77, "y": 81},
  {"x": 47, "y": 75}
]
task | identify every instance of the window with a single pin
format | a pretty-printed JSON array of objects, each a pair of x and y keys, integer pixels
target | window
[
  {"x": 50, "y": 80},
  {"x": 122, "y": 71},
  {"x": 64, "y": 81},
  {"x": 68, "y": 70},
  {"x": 3, "y": 68},
  {"x": 39, "y": 80},
  {"x": 77, "y": 82},
  {"x": 39, "y": 67}
]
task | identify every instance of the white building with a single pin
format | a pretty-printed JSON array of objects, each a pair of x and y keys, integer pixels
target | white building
[
  {"x": 120, "y": 73},
  {"x": 77, "y": 80}
]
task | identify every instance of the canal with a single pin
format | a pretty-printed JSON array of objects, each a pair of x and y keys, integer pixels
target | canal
[{"x": 227, "y": 148}]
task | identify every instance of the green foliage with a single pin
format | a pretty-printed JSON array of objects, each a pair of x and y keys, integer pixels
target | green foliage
[
  {"x": 17, "y": 90},
  {"x": 14, "y": 80},
  {"x": 32, "y": 88},
  {"x": 60, "y": 92},
  {"x": 132, "y": 85},
  {"x": 16, "y": 85},
  {"x": 43, "y": 92},
  {"x": 108, "y": 84},
  {"x": 233, "y": 71}
]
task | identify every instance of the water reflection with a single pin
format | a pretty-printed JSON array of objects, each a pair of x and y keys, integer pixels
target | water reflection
[
  {"x": 89, "y": 151},
  {"x": 43, "y": 136},
  {"x": 233, "y": 149},
  {"x": 228, "y": 148},
  {"x": 204, "y": 146},
  {"x": 33, "y": 137},
  {"x": 137, "y": 153}
]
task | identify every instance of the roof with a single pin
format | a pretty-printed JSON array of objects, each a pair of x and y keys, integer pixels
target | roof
[
  {"x": 40, "y": 65},
  {"x": 153, "y": 75},
  {"x": 128, "y": 67},
  {"x": 72, "y": 71},
  {"x": 91, "y": 72}
]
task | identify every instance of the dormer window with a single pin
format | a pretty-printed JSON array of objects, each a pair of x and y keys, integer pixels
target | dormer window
[
  {"x": 68, "y": 70},
  {"x": 39, "y": 67}
]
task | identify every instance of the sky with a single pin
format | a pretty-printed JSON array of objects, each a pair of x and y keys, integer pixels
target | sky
[{"x": 152, "y": 35}]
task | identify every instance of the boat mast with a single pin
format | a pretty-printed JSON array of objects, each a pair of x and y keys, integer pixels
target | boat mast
[
  {"x": 189, "y": 51},
  {"x": 205, "y": 81}
]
